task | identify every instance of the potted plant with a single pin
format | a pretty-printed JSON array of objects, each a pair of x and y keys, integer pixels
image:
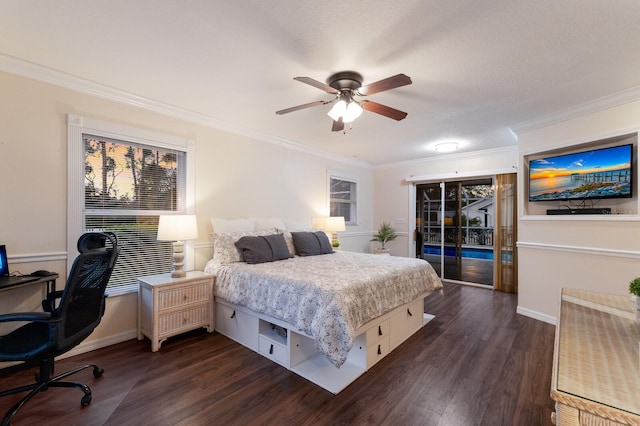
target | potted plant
[
  {"x": 634, "y": 288},
  {"x": 385, "y": 234}
]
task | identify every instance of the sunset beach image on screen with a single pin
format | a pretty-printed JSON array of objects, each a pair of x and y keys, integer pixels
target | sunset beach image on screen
[{"x": 584, "y": 175}]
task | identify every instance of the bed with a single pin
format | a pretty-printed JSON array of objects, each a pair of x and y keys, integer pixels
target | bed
[{"x": 328, "y": 316}]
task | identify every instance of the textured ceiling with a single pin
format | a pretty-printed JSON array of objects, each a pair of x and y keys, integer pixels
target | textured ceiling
[{"x": 478, "y": 68}]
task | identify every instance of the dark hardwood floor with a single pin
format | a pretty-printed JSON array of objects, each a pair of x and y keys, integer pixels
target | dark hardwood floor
[{"x": 476, "y": 363}]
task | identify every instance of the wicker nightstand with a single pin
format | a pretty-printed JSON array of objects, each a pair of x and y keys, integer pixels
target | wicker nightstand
[{"x": 170, "y": 306}]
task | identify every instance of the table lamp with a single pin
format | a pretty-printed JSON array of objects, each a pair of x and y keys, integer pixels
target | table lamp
[
  {"x": 177, "y": 228},
  {"x": 334, "y": 225}
]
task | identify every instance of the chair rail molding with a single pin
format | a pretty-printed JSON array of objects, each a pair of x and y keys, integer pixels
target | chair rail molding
[{"x": 594, "y": 251}]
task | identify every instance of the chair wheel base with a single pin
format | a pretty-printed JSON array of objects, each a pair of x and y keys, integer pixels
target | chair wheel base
[
  {"x": 45, "y": 382},
  {"x": 86, "y": 400},
  {"x": 97, "y": 371}
]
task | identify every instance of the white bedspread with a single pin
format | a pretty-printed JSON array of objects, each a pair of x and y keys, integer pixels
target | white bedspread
[{"x": 328, "y": 296}]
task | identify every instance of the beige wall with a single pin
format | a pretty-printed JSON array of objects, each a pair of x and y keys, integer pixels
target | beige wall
[
  {"x": 240, "y": 176},
  {"x": 598, "y": 253},
  {"x": 236, "y": 176},
  {"x": 395, "y": 196}
]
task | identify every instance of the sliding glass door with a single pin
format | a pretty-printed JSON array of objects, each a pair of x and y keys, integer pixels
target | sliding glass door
[{"x": 455, "y": 224}]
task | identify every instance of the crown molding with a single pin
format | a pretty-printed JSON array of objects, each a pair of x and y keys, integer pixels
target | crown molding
[
  {"x": 619, "y": 98},
  {"x": 12, "y": 65},
  {"x": 451, "y": 156}
]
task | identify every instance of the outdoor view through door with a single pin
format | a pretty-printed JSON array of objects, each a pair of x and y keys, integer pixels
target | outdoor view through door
[{"x": 455, "y": 229}]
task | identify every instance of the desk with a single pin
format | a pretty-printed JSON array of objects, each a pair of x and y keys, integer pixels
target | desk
[
  {"x": 50, "y": 280},
  {"x": 596, "y": 364}
]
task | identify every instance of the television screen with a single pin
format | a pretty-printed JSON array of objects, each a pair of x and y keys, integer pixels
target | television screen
[{"x": 592, "y": 174}]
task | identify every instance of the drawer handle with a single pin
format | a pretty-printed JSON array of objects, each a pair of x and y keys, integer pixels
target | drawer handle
[
  {"x": 271, "y": 350},
  {"x": 379, "y": 330},
  {"x": 185, "y": 297},
  {"x": 409, "y": 312},
  {"x": 379, "y": 350},
  {"x": 184, "y": 320},
  {"x": 233, "y": 315}
]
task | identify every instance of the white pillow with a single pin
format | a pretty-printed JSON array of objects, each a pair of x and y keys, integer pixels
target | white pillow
[
  {"x": 269, "y": 223},
  {"x": 232, "y": 225}
]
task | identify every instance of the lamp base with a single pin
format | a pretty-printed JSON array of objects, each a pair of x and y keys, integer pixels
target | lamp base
[
  {"x": 178, "y": 260},
  {"x": 178, "y": 274}
]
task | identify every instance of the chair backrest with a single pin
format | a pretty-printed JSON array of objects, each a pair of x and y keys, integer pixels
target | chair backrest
[{"x": 82, "y": 302}]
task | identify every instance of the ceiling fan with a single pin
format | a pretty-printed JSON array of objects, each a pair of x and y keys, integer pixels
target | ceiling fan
[{"x": 346, "y": 85}]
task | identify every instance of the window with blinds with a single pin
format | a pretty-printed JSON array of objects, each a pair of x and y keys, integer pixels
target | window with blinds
[
  {"x": 127, "y": 185},
  {"x": 343, "y": 199},
  {"x": 122, "y": 179}
]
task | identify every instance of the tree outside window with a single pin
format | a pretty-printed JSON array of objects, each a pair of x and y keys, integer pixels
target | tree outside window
[{"x": 126, "y": 187}]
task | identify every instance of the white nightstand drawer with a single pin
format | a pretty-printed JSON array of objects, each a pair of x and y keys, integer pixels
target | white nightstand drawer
[
  {"x": 180, "y": 296},
  {"x": 184, "y": 319}
]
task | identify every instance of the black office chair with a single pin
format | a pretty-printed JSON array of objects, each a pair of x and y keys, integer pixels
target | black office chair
[{"x": 64, "y": 325}]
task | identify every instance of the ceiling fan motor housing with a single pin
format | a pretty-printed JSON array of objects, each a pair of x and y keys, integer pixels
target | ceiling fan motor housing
[{"x": 345, "y": 80}]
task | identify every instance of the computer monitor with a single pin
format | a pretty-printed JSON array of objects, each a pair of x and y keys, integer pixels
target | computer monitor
[{"x": 4, "y": 265}]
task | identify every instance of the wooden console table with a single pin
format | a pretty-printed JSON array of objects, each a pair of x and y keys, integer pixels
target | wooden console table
[{"x": 596, "y": 360}]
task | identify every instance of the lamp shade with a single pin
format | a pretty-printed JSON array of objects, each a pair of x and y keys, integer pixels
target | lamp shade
[
  {"x": 354, "y": 110},
  {"x": 338, "y": 110},
  {"x": 334, "y": 224},
  {"x": 177, "y": 227}
]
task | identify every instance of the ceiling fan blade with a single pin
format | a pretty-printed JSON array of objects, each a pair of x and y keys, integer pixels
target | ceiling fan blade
[
  {"x": 337, "y": 125},
  {"x": 317, "y": 84},
  {"x": 296, "y": 108},
  {"x": 383, "y": 110},
  {"x": 386, "y": 84}
]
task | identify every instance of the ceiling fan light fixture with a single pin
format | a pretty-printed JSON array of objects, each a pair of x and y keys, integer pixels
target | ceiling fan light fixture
[
  {"x": 446, "y": 147},
  {"x": 338, "y": 110},
  {"x": 345, "y": 85},
  {"x": 354, "y": 110}
]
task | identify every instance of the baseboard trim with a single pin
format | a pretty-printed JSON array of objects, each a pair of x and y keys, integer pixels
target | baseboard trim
[
  {"x": 91, "y": 345},
  {"x": 536, "y": 315}
]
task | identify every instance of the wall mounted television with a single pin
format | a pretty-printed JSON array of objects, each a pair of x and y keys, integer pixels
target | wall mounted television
[{"x": 585, "y": 175}]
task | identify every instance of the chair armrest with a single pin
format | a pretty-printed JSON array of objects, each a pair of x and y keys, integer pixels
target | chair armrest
[
  {"x": 48, "y": 304},
  {"x": 26, "y": 316}
]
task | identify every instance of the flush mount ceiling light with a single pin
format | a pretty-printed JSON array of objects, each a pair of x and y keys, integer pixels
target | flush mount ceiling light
[{"x": 446, "y": 147}]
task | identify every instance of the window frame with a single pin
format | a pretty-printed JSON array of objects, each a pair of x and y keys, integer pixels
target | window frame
[
  {"x": 353, "y": 202},
  {"x": 77, "y": 126}
]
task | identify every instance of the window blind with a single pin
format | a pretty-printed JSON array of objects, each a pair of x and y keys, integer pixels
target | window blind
[
  {"x": 127, "y": 186},
  {"x": 343, "y": 199}
]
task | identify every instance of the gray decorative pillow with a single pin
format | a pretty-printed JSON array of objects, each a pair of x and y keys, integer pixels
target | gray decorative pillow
[
  {"x": 311, "y": 243},
  {"x": 263, "y": 249},
  {"x": 224, "y": 249}
]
